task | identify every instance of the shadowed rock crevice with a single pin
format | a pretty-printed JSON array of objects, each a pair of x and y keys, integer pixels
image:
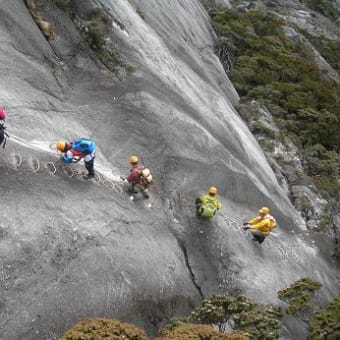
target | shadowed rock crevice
[{"x": 191, "y": 271}]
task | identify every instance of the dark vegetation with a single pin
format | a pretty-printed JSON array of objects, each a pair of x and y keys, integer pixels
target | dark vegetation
[
  {"x": 326, "y": 322},
  {"x": 329, "y": 49},
  {"x": 257, "y": 320},
  {"x": 266, "y": 66},
  {"x": 95, "y": 26},
  {"x": 298, "y": 294},
  {"x": 328, "y": 8}
]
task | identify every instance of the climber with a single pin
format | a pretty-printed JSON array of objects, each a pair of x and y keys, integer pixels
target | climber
[
  {"x": 207, "y": 205},
  {"x": 3, "y": 134},
  {"x": 260, "y": 226},
  {"x": 74, "y": 151},
  {"x": 139, "y": 178}
]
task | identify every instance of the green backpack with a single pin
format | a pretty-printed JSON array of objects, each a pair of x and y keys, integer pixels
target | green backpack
[{"x": 208, "y": 209}]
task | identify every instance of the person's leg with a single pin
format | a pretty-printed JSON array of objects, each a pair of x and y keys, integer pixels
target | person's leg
[
  {"x": 257, "y": 235},
  {"x": 200, "y": 210},
  {"x": 261, "y": 238},
  {"x": 198, "y": 206},
  {"x": 89, "y": 165},
  {"x": 131, "y": 188},
  {"x": 145, "y": 193}
]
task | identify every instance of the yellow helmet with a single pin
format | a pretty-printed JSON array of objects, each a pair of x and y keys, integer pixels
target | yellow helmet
[
  {"x": 264, "y": 211},
  {"x": 61, "y": 146},
  {"x": 133, "y": 159},
  {"x": 212, "y": 191}
]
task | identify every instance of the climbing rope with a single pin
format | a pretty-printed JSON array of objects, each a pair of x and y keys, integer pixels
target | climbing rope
[
  {"x": 19, "y": 164},
  {"x": 35, "y": 165}
]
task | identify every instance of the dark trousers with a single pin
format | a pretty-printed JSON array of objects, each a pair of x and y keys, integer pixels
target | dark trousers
[
  {"x": 90, "y": 167},
  {"x": 198, "y": 202},
  {"x": 259, "y": 238}
]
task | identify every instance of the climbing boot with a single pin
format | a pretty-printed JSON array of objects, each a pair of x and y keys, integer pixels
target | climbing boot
[{"x": 145, "y": 194}]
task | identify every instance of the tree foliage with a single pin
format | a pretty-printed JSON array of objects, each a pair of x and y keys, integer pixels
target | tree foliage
[
  {"x": 298, "y": 294},
  {"x": 259, "y": 321},
  {"x": 108, "y": 329},
  {"x": 326, "y": 322},
  {"x": 188, "y": 331}
]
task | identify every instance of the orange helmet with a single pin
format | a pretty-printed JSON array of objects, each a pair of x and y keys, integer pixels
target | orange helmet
[
  {"x": 212, "y": 190},
  {"x": 133, "y": 159},
  {"x": 264, "y": 211},
  {"x": 61, "y": 146}
]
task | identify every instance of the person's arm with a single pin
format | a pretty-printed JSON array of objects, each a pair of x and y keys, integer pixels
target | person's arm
[
  {"x": 67, "y": 157},
  {"x": 259, "y": 226},
  {"x": 255, "y": 220},
  {"x": 133, "y": 176},
  {"x": 218, "y": 205},
  {"x": 89, "y": 157}
]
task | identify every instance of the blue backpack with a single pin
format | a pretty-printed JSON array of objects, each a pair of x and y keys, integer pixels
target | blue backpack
[{"x": 84, "y": 145}]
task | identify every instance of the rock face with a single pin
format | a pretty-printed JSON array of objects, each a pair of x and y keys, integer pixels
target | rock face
[{"x": 71, "y": 249}]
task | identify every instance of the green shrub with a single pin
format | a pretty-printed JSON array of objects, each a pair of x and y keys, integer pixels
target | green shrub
[
  {"x": 328, "y": 186},
  {"x": 259, "y": 321},
  {"x": 326, "y": 322},
  {"x": 298, "y": 294},
  {"x": 329, "y": 49},
  {"x": 108, "y": 329},
  {"x": 62, "y": 3},
  {"x": 325, "y": 223},
  {"x": 326, "y": 7},
  {"x": 97, "y": 29},
  {"x": 259, "y": 128},
  {"x": 198, "y": 332}
]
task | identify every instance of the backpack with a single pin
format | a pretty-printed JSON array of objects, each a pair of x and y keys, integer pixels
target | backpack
[
  {"x": 208, "y": 207},
  {"x": 270, "y": 217},
  {"x": 3, "y": 135},
  {"x": 84, "y": 145},
  {"x": 145, "y": 177}
]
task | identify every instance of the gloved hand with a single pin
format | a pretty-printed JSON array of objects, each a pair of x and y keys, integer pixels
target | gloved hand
[
  {"x": 66, "y": 160},
  {"x": 245, "y": 224},
  {"x": 246, "y": 228}
]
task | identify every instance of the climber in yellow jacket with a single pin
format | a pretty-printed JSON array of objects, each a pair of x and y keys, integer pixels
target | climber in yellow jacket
[
  {"x": 207, "y": 205},
  {"x": 261, "y": 226}
]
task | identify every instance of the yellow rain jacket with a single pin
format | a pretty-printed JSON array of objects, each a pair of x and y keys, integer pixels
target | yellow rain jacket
[
  {"x": 264, "y": 224},
  {"x": 209, "y": 205}
]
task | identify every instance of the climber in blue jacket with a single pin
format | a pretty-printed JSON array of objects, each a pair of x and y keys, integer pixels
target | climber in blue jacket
[{"x": 76, "y": 150}]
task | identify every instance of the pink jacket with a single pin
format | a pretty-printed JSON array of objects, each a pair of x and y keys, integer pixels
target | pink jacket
[{"x": 135, "y": 174}]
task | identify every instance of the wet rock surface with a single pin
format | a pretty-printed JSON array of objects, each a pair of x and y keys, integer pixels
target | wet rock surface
[{"x": 71, "y": 248}]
